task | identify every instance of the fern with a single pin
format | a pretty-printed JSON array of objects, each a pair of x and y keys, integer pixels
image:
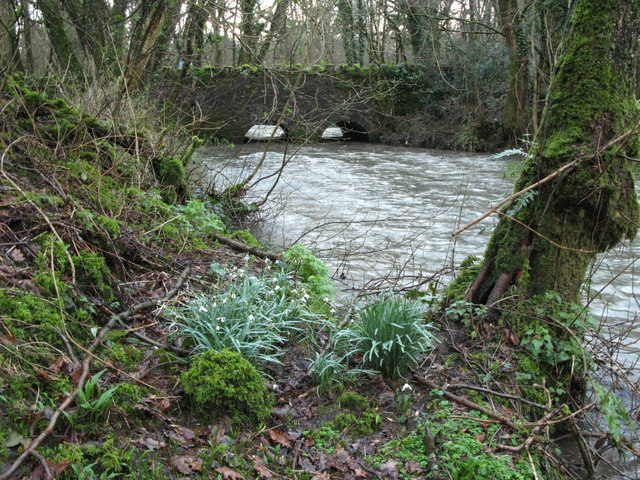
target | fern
[{"x": 522, "y": 201}]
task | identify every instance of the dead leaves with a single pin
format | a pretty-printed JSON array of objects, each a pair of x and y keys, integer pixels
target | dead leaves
[
  {"x": 187, "y": 464},
  {"x": 229, "y": 473}
]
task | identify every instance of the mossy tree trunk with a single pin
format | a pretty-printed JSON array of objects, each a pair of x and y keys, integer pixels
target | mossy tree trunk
[
  {"x": 514, "y": 115},
  {"x": 547, "y": 240}
]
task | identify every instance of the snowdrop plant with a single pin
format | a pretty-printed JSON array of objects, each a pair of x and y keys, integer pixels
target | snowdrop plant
[{"x": 254, "y": 317}]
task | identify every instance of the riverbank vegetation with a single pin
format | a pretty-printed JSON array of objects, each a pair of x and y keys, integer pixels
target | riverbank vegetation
[
  {"x": 135, "y": 343},
  {"x": 145, "y": 333}
]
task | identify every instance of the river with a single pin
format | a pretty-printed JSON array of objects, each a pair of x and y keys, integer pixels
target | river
[
  {"x": 383, "y": 216},
  {"x": 376, "y": 214}
]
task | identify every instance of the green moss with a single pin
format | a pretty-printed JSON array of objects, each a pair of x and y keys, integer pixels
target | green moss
[
  {"x": 93, "y": 222},
  {"x": 246, "y": 238},
  {"x": 356, "y": 426},
  {"x": 457, "y": 289},
  {"x": 112, "y": 457},
  {"x": 171, "y": 171},
  {"x": 92, "y": 271},
  {"x": 50, "y": 283},
  {"x": 353, "y": 401},
  {"x": 23, "y": 310},
  {"x": 225, "y": 383}
]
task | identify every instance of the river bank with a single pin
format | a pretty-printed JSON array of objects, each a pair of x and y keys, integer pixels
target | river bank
[{"x": 114, "y": 276}]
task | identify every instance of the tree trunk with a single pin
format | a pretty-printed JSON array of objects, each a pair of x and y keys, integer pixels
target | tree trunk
[
  {"x": 249, "y": 32},
  {"x": 145, "y": 34},
  {"x": 61, "y": 35},
  {"x": 546, "y": 242},
  {"x": 9, "y": 53},
  {"x": 514, "y": 115},
  {"x": 277, "y": 28}
]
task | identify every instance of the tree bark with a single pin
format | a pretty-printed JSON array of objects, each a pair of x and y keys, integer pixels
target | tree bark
[
  {"x": 60, "y": 31},
  {"x": 9, "y": 53},
  {"x": 145, "y": 34},
  {"x": 514, "y": 116},
  {"x": 546, "y": 242}
]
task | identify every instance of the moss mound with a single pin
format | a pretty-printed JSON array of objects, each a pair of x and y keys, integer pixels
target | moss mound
[{"x": 225, "y": 383}]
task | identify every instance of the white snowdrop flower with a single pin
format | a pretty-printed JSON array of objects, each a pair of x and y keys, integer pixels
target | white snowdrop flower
[
  {"x": 203, "y": 309},
  {"x": 333, "y": 310},
  {"x": 233, "y": 296},
  {"x": 251, "y": 318},
  {"x": 275, "y": 386},
  {"x": 217, "y": 328},
  {"x": 221, "y": 319},
  {"x": 325, "y": 299},
  {"x": 406, "y": 386},
  {"x": 277, "y": 288},
  {"x": 224, "y": 300}
]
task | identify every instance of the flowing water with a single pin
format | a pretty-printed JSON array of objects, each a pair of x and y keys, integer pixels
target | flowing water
[{"x": 381, "y": 215}]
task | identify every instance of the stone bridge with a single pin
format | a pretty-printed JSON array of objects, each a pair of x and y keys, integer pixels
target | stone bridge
[
  {"x": 368, "y": 105},
  {"x": 224, "y": 104}
]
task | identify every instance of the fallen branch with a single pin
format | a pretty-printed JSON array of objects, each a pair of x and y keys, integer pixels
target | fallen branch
[
  {"x": 514, "y": 196},
  {"x": 241, "y": 247},
  {"x": 31, "y": 449}
]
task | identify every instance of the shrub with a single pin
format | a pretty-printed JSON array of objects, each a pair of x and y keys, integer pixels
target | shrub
[
  {"x": 389, "y": 334},
  {"x": 225, "y": 383}
]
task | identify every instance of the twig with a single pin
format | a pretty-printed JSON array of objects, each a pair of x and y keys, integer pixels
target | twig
[
  {"x": 514, "y": 196},
  {"x": 467, "y": 403},
  {"x": 498, "y": 394},
  {"x": 31, "y": 449}
]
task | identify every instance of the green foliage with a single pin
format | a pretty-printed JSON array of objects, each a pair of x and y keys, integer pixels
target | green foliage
[
  {"x": 91, "y": 401},
  {"x": 390, "y": 333},
  {"x": 462, "y": 449},
  {"x": 557, "y": 336},
  {"x": 328, "y": 370},
  {"x": 92, "y": 271},
  {"x": 197, "y": 219},
  {"x": 613, "y": 411},
  {"x": 226, "y": 383},
  {"x": 314, "y": 274},
  {"x": 468, "y": 313},
  {"x": 253, "y": 316}
]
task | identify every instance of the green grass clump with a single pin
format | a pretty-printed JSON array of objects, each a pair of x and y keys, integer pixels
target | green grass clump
[
  {"x": 225, "y": 383},
  {"x": 389, "y": 333}
]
